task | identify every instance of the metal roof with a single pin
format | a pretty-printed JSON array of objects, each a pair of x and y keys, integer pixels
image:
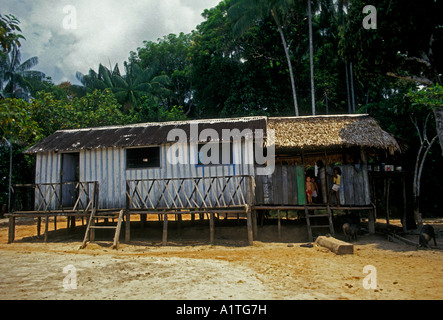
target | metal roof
[{"x": 136, "y": 135}]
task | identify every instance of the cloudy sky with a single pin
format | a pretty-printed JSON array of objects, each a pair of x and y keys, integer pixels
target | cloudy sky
[{"x": 75, "y": 35}]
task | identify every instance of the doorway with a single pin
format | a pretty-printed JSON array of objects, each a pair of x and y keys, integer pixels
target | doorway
[{"x": 70, "y": 174}]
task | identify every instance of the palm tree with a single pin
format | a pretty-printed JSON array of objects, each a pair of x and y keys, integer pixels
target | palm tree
[
  {"x": 245, "y": 13},
  {"x": 102, "y": 80},
  {"x": 128, "y": 89},
  {"x": 15, "y": 76}
]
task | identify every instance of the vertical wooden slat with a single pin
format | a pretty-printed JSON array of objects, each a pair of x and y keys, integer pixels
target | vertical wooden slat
[
  {"x": 284, "y": 190},
  {"x": 301, "y": 195}
]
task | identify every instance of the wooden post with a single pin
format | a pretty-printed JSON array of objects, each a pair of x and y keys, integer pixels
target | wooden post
[
  {"x": 46, "y": 228},
  {"x": 55, "y": 223},
  {"x": 39, "y": 225},
  {"x": 249, "y": 224},
  {"x": 279, "y": 224},
  {"x": 371, "y": 220},
  {"x": 128, "y": 226},
  {"x": 165, "y": 229},
  {"x": 179, "y": 219},
  {"x": 142, "y": 220},
  {"x": 387, "y": 200},
  {"x": 403, "y": 181},
  {"x": 211, "y": 228},
  {"x": 11, "y": 234},
  {"x": 254, "y": 223},
  {"x": 72, "y": 226}
]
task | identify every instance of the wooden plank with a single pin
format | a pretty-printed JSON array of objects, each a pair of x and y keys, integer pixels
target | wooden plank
[
  {"x": 348, "y": 184},
  {"x": 289, "y": 187},
  {"x": 259, "y": 195},
  {"x": 293, "y": 182},
  {"x": 268, "y": 190},
  {"x": 358, "y": 188},
  {"x": 337, "y": 246},
  {"x": 301, "y": 186},
  {"x": 284, "y": 191},
  {"x": 276, "y": 185}
]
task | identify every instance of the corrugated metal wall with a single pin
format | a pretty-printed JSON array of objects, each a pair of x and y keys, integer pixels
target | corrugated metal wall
[{"x": 108, "y": 167}]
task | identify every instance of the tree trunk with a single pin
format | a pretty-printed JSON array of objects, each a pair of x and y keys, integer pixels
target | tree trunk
[
  {"x": 438, "y": 112},
  {"x": 288, "y": 58},
  {"x": 417, "y": 178},
  {"x": 311, "y": 54},
  {"x": 347, "y": 88},
  {"x": 352, "y": 87}
]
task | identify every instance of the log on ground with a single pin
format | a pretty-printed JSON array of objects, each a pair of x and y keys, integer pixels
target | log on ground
[{"x": 337, "y": 246}]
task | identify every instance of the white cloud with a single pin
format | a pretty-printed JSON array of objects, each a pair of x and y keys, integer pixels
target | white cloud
[{"x": 107, "y": 30}]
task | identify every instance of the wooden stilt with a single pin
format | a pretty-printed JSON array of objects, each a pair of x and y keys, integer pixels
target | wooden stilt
[
  {"x": 371, "y": 221},
  {"x": 46, "y": 228},
  {"x": 179, "y": 219},
  {"x": 249, "y": 224},
  {"x": 404, "y": 204},
  {"x": 254, "y": 223},
  {"x": 143, "y": 220},
  {"x": 165, "y": 230},
  {"x": 279, "y": 223},
  {"x": 211, "y": 228},
  {"x": 55, "y": 222},
  {"x": 39, "y": 226},
  {"x": 128, "y": 227},
  {"x": 11, "y": 234}
]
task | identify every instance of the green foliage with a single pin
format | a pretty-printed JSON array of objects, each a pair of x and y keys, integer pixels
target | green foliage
[
  {"x": 150, "y": 111},
  {"x": 93, "y": 110},
  {"x": 430, "y": 97},
  {"x": 16, "y": 77},
  {"x": 10, "y": 33},
  {"x": 15, "y": 123}
]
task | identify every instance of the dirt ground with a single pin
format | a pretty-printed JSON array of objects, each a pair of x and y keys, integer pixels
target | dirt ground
[{"x": 189, "y": 268}]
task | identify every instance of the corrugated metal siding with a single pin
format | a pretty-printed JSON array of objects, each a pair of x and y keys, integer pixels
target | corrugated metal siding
[
  {"x": 108, "y": 167},
  {"x": 48, "y": 166}
]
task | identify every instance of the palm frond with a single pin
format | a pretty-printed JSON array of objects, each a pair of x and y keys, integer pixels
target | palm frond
[{"x": 28, "y": 64}]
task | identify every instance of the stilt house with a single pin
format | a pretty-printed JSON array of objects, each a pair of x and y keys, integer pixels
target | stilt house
[{"x": 129, "y": 168}]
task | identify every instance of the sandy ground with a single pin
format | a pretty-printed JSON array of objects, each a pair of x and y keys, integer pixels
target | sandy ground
[{"x": 189, "y": 268}]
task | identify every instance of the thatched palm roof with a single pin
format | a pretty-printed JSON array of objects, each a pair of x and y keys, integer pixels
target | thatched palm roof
[{"x": 330, "y": 131}]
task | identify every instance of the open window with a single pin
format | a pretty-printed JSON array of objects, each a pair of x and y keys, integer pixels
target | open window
[{"x": 142, "y": 158}]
